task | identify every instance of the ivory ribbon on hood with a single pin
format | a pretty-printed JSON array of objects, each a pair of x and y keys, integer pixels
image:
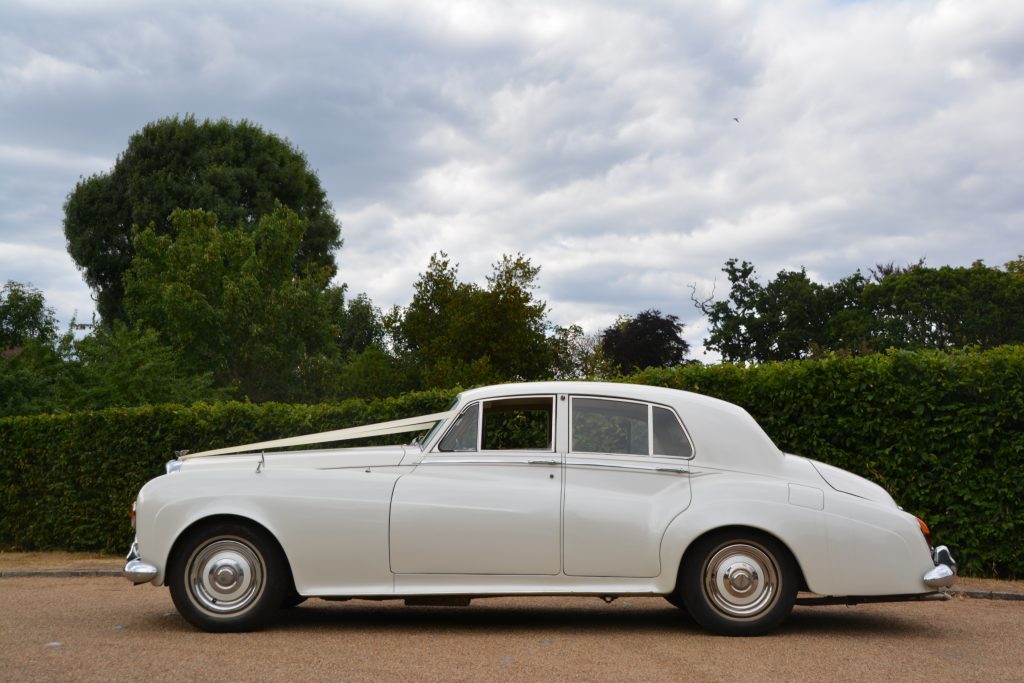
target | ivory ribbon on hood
[{"x": 409, "y": 424}]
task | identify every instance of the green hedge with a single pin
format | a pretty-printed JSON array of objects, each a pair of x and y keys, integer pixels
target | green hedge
[
  {"x": 66, "y": 481},
  {"x": 943, "y": 433}
]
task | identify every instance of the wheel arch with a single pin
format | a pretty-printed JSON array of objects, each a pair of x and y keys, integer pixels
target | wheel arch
[
  {"x": 218, "y": 518},
  {"x": 739, "y": 530}
]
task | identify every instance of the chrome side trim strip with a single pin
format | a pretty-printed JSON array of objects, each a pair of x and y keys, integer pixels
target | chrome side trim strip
[
  {"x": 633, "y": 468},
  {"x": 486, "y": 461}
]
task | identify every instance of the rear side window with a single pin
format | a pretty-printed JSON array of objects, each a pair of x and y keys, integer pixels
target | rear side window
[
  {"x": 669, "y": 437},
  {"x": 627, "y": 428},
  {"x": 603, "y": 426}
]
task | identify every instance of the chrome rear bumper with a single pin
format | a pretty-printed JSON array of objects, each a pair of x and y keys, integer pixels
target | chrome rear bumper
[
  {"x": 944, "y": 573},
  {"x": 135, "y": 570}
]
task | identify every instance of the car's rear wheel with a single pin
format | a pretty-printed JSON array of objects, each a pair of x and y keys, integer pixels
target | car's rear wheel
[
  {"x": 227, "y": 576},
  {"x": 739, "y": 582}
]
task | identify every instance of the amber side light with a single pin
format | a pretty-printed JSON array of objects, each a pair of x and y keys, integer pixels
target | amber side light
[{"x": 926, "y": 531}]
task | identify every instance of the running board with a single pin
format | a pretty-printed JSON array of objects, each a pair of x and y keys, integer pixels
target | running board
[{"x": 863, "y": 599}]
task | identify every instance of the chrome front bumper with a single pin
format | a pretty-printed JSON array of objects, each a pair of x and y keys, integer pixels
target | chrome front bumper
[
  {"x": 944, "y": 573},
  {"x": 135, "y": 570}
]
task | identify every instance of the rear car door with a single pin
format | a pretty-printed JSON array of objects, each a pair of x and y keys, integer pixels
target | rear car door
[{"x": 626, "y": 478}]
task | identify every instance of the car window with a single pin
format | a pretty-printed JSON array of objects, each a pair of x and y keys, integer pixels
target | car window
[
  {"x": 604, "y": 426},
  {"x": 669, "y": 437},
  {"x": 463, "y": 432},
  {"x": 519, "y": 424},
  {"x": 437, "y": 426}
]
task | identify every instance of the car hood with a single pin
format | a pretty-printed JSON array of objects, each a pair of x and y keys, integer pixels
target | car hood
[
  {"x": 848, "y": 482},
  {"x": 379, "y": 456}
]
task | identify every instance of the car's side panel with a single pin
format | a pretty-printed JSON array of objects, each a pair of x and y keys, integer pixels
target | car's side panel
[
  {"x": 617, "y": 508},
  {"x": 478, "y": 513},
  {"x": 874, "y": 549},
  {"x": 331, "y": 524},
  {"x": 730, "y": 499},
  {"x": 850, "y": 547}
]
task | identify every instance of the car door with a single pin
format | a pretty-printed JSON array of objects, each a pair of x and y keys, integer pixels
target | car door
[
  {"x": 626, "y": 478},
  {"x": 486, "y": 499}
]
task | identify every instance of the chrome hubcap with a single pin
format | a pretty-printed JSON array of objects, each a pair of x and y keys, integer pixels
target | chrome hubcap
[
  {"x": 741, "y": 580},
  {"x": 225, "y": 576}
]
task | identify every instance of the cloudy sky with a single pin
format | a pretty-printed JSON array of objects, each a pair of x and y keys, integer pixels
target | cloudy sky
[{"x": 596, "y": 138}]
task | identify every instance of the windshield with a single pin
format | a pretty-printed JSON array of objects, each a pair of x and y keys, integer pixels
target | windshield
[{"x": 422, "y": 442}]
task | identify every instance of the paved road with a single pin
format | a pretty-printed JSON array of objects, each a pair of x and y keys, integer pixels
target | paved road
[{"x": 104, "y": 629}]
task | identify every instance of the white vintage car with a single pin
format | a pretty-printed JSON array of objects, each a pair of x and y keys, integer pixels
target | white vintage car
[{"x": 552, "y": 488}]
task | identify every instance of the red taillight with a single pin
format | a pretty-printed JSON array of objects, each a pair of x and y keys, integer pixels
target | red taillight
[
  {"x": 924, "y": 530},
  {"x": 133, "y": 515}
]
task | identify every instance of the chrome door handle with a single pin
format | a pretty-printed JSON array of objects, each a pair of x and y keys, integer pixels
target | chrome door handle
[
  {"x": 551, "y": 463},
  {"x": 672, "y": 470}
]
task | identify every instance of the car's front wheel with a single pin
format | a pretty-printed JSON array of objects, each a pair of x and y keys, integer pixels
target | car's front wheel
[
  {"x": 739, "y": 582},
  {"x": 227, "y": 576}
]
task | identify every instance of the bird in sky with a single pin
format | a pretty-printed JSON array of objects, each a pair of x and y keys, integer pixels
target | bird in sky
[{"x": 735, "y": 119}]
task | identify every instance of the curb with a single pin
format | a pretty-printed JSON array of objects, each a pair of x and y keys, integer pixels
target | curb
[
  {"x": 86, "y": 573},
  {"x": 58, "y": 573},
  {"x": 987, "y": 595}
]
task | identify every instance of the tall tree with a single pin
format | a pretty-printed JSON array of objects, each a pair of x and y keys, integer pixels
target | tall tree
[
  {"x": 460, "y": 333},
  {"x": 235, "y": 170},
  {"x": 229, "y": 301},
  {"x": 646, "y": 340}
]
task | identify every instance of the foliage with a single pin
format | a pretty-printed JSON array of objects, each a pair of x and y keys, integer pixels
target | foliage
[
  {"x": 229, "y": 301},
  {"x": 455, "y": 333},
  {"x": 647, "y": 340},
  {"x": 576, "y": 355},
  {"x": 66, "y": 481},
  {"x": 235, "y": 170},
  {"x": 33, "y": 380},
  {"x": 948, "y": 308},
  {"x": 1016, "y": 266},
  {"x": 361, "y": 326},
  {"x": 943, "y": 432},
  {"x": 120, "y": 366},
  {"x": 915, "y": 307},
  {"x": 24, "y": 316}
]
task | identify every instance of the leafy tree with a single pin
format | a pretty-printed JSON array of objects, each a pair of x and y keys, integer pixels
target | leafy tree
[
  {"x": 121, "y": 366},
  {"x": 1016, "y": 266},
  {"x": 24, "y": 315},
  {"x": 229, "y": 301},
  {"x": 361, "y": 325},
  {"x": 777, "y": 321},
  {"x": 33, "y": 380},
  {"x": 235, "y": 170},
  {"x": 457, "y": 333},
  {"x": 647, "y": 340},
  {"x": 947, "y": 308},
  {"x": 908, "y": 307},
  {"x": 576, "y": 355},
  {"x": 517, "y": 324}
]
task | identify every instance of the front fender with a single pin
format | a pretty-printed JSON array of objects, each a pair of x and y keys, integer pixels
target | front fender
[{"x": 331, "y": 524}]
